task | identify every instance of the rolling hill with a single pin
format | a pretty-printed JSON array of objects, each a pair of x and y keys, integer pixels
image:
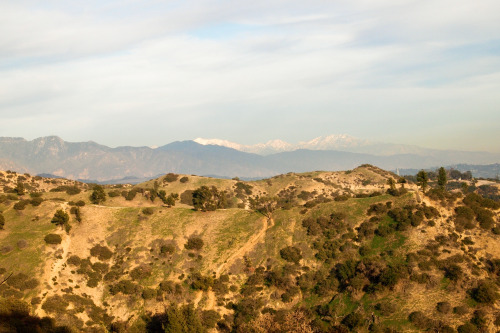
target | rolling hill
[{"x": 299, "y": 252}]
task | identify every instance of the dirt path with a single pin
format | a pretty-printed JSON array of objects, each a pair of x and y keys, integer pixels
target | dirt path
[
  {"x": 210, "y": 301},
  {"x": 249, "y": 245},
  {"x": 197, "y": 299}
]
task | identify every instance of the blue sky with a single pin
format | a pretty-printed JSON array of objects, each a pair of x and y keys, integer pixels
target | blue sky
[{"x": 151, "y": 72}]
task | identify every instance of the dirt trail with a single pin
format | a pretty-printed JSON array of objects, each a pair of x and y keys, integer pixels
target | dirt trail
[
  {"x": 197, "y": 299},
  {"x": 249, "y": 245},
  {"x": 210, "y": 301}
]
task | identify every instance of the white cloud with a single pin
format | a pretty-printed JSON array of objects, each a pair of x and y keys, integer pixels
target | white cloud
[{"x": 315, "y": 67}]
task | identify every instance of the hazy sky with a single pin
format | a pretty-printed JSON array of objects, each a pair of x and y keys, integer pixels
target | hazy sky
[{"x": 150, "y": 72}]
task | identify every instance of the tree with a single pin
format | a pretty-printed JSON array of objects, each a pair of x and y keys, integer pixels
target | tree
[
  {"x": 422, "y": 179},
  {"x": 208, "y": 199},
  {"x": 60, "y": 218},
  {"x": 2, "y": 221},
  {"x": 20, "y": 188},
  {"x": 264, "y": 205},
  {"x": 442, "y": 178},
  {"x": 98, "y": 196}
]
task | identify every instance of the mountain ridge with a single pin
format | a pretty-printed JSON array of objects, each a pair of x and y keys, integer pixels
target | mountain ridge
[{"x": 93, "y": 161}]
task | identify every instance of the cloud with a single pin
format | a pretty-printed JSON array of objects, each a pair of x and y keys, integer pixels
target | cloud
[{"x": 250, "y": 71}]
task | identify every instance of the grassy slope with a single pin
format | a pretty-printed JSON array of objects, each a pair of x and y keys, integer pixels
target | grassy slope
[{"x": 121, "y": 225}]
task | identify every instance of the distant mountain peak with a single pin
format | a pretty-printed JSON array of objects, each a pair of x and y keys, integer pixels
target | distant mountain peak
[{"x": 329, "y": 142}]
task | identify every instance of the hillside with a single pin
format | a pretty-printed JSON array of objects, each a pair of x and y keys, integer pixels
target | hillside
[{"x": 299, "y": 252}]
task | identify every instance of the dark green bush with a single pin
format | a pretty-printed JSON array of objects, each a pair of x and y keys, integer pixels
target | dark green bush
[
  {"x": 53, "y": 239},
  {"x": 194, "y": 243},
  {"x": 102, "y": 252},
  {"x": 485, "y": 292},
  {"x": 148, "y": 293},
  {"x": 148, "y": 211},
  {"x": 443, "y": 307},
  {"x": 170, "y": 177}
]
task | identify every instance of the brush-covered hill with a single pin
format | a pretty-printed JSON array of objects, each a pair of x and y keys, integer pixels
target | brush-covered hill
[{"x": 360, "y": 250}]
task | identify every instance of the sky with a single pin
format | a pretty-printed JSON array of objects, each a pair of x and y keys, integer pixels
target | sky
[{"x": 149, "y": 72}]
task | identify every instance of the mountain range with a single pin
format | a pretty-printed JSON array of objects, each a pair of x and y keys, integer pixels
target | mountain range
[{"x": 92, "y": 161}]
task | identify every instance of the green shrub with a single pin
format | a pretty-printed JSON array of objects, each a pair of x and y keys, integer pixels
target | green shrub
[
  {"x": 102, "y": 252},
  {"x": 167, "y": 249},
  {"x": 141, "y": 272},
  {"x": 485, "y": 292},
  {"x": 126, "y": 287},
  {"x": 72, "y": 190},
  {"x": 148, "y": 293},
  {"x": 35, "y": 202},
  {"x": 467, "y": 328},
  {"x": 443, "y": 307},
  {"x": 60, "y": 218},
  {"x": 353, "y": 320},
  {"x": 170, "y": 177},
  {"x": 194, "y": 243},
  {"x": 184, "y": 179},
  {"x": 21, "y": 205},
  {"x": 98, "y": 195},
  {"x": 291, "y": 254},
  {"x": 148, "y": 211},
  {"x": 55, "y": 304},
  {"x": 53, "y": 239},
  {"x": 113, "y": 194},
  {"x": 74, "y": 260},
  {"x": 418, "y": 319},
  {"x": 461, "y": 310}
]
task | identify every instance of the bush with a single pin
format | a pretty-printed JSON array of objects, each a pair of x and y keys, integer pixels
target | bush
[
  {"x": 461, "y": 310},
  {"x": 80, "y": 203},
  {"x": 20, "y": 205},
  {"x": 113, "y": 194},
  {"x": 418, "y": 319},
  {"x": 55, "y": 304},
  {"x": 187, "y": 197},
  {"x": 72, "y": 190},
  {"x": 60, "y": 218},
  {"x": 35, "y": 202},
  {"x": 2, "y": 221},
  {"x": 443, "y": 307},
  {"x": 485, "y": 292},
  {"x": 385, "y": 308},
  {"x": 167, "y": 249},
  {"x": 98, "y": 195},
  {"x": 184, "y": 179},
  {"x": 353, "y": 320},
  {"x": 194, "y": 243},
  {"x": 170, "y": 177},
  {"x": 102, "y": 252},
  {"x": 21, "y": 244},
  {"x": 126, "y": 287},
  {"x": 141, "y": 272},
  {"x": 148, "y": 293},
  {"x": 148, "y": 211},
  {"x": 467, "y": 328},
  {"x": 291, "y": 254},
  {"x": 53, "y": 239},
  {"x": 74, "y": 260}
]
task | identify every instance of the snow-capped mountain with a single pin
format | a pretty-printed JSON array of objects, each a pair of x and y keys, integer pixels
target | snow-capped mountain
[
  {"x": 270, "y": 147},
  {"x": 333, "y": 142},
  {"x": 330, "y": 142}
]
